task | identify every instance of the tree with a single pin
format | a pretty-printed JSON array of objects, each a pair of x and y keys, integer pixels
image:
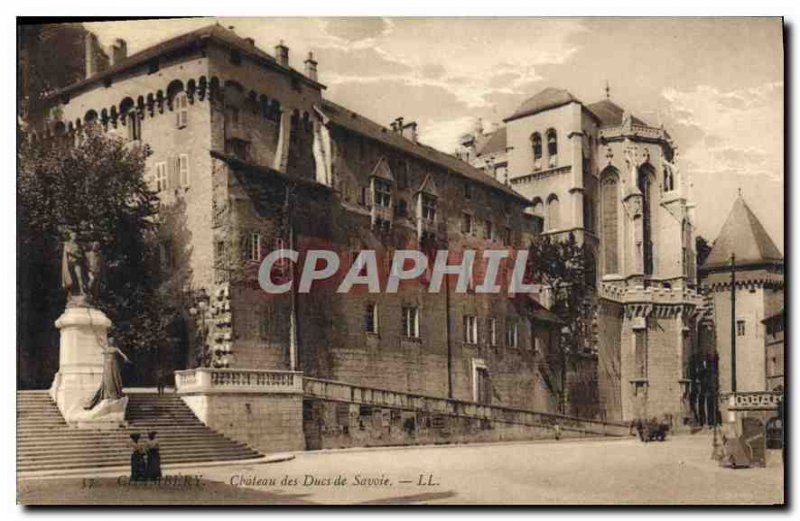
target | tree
[
  {"x": 40, "y": 71},
  {"x": 703, "y": 249},
  {"x": 94, "y": 186},
  {"x": 565, "y": 268}
]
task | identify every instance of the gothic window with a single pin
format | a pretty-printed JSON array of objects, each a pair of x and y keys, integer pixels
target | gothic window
[
  {"x": 536, "y": 143},
  {"x": 552, "y": 148},
  {"x": 552, "y": 220},
  {"x": 610, "y": 216},
  {"x": 645, "y": 183},
  {"x": 740, "y": 329}
]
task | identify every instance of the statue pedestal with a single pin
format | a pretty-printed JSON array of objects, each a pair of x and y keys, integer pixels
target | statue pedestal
[{"x": 80, "y": 371}]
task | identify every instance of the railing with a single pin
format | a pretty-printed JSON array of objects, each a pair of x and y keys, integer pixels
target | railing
[
  {"x": 343, "y": 392},
  {"x": 210, "y": 380},
  {"x": 752, "y": 400}
]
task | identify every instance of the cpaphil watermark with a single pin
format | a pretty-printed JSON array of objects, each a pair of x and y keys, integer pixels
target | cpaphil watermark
[{"x": 480, "y": 271}]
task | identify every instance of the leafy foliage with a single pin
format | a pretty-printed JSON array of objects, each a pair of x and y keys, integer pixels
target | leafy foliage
[
  {"x": 566, "y": 269},
  {"x": 703, "y": 249},
  {"x": 96, "y": 187}
]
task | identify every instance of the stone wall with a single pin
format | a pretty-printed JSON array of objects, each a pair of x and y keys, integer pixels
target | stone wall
[{"x": 267, "y": 422}]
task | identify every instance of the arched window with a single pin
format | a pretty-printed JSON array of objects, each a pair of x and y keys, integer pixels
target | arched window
[
  {"x": 90, "y": 117},
  {"x": 536, "y": 144},
  {"x": 609, "y": 213},
  {"x": 646, "y": 181},
  {"x": 538, "y": 212},
  {"x": 552, "y": 221},
  {"x": 552, "y": 148}
]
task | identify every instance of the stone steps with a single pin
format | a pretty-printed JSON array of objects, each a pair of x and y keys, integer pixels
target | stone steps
[{"x": 45, "y": 442}]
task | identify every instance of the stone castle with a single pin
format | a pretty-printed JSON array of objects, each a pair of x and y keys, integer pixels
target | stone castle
[{"x": 259, "y": 160}]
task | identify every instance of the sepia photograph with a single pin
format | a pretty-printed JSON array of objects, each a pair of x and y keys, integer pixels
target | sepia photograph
[{"x": 400, "y": 261}]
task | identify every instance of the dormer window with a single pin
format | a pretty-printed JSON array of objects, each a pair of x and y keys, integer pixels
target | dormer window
[
  {"x": 536, "y": 144},
  {"x": 428, "y": 208},
  {"x": 382, "y": 193},
  {"x": 552, "y": 148}
]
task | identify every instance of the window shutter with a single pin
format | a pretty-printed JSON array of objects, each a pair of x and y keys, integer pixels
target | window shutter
[{"x": 172, "y": 172}]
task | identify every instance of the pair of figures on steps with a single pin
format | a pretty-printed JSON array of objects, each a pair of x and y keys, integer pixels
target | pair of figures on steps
[{"x": 145, "y": 458}]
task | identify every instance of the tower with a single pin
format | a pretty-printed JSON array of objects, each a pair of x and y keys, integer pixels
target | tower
[{"x": 745, "y": 246}]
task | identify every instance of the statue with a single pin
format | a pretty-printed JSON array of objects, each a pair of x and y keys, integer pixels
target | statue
[
  {"x": 111, "y": 385},
  {"x": 80, "y": 270}
]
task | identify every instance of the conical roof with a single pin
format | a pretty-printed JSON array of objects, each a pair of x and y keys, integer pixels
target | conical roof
[{"x": 742, "y": 235}]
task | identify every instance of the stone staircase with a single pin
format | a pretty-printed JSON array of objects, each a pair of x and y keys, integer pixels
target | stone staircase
[{"x": 46, "y": 443}]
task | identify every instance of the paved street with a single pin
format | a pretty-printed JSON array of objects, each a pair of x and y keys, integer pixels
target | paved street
[{"x": 567, "y": 472}]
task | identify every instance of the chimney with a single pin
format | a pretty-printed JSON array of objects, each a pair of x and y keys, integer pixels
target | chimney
[
  {"x": 90, "y": 43},
  {"x": 398, "y": 125},
  {"x": 282, "y": 54},
  {"x": 311, "y": 67},
  {"x": 119, "y": 51},
  {"x": 412, "y": 131},
  {"x": 251, "y": 41}
]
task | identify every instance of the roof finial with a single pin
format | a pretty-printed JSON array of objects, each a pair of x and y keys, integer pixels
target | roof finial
[{"x": 608, "y": 91}]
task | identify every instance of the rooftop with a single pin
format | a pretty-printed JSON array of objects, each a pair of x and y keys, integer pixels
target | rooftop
[
  {"x": 196, "y": 38},
  {"x": 549, "y": 98},
  {"x": 742, "y": 235},
  {"x": 354, "y": 122},
  {"x": 610, "y": 114}
]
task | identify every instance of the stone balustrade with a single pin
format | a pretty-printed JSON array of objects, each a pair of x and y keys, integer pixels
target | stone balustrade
[
  {"x": 343, "y": 392},
  {"x": 206, "y": 380}
]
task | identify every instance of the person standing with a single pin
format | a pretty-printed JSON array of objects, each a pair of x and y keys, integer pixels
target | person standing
[
  {"x": 160, "y": 379},
  {"x": 137, "y": 458},
  {"x": 153, "y": 457}
]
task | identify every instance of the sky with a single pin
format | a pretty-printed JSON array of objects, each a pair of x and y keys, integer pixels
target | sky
[{"x": 715, "y": 84}]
